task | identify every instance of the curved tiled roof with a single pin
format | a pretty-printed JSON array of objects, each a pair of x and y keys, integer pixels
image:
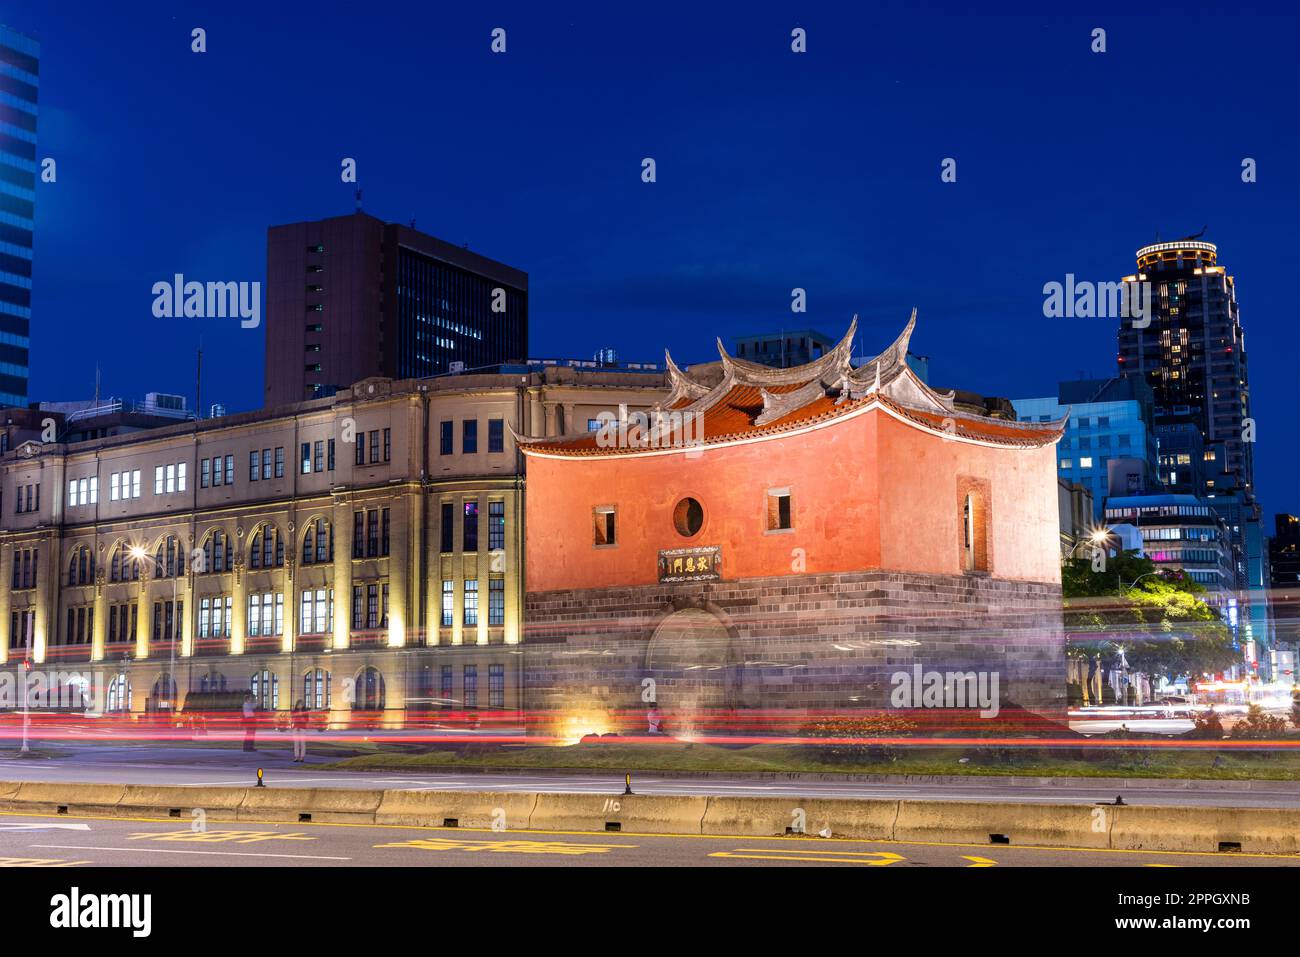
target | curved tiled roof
[{"x": 754, "y": 401}]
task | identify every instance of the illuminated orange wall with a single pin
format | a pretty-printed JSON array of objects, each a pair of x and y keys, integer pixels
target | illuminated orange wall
[{"x": 867, "y": 492}]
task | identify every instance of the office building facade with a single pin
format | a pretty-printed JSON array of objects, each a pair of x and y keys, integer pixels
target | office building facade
[
  {"x": 353, "y": 297},
  {"x": 19, "y": 83},
  {"x": 361, "y": 551}
]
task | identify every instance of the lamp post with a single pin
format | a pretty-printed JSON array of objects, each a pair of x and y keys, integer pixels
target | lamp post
[{"x": 1097, "y": 537}]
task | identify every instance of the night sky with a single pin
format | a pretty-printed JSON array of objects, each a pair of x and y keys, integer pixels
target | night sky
[{"x": 775, "y": 170}]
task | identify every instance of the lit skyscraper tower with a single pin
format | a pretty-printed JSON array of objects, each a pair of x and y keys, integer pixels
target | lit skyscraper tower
[
  {"x": 1193, "y": 355},
  {"x": 19, "y": 65}
]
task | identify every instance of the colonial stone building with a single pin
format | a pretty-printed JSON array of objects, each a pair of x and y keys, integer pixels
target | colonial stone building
[
  {"x": 791, "y": 539},
  {"x": 363, "y": 551}
]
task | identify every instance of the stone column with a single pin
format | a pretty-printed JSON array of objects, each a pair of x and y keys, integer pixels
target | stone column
[
  {"x": 342, "y": 574},
  {"x": 144, "y": 614},
  {"x": 6, "y": 598},
  {"x": 401, "y": 534},
  {"x": 101, "y": 615},
  {"x": 511, "y": 565}
]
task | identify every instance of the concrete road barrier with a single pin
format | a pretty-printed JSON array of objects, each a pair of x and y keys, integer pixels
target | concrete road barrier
[
  {"x": 59, "y": 799},
  {"x": 865, "y": 819},
  {"x": 990, "y": 823},
  {"x": 1129, "y": 827},
  {"x": 637, "y": 813},
  {"x": 481, "y": 810},
  {"x": 1212, "y": 829}
]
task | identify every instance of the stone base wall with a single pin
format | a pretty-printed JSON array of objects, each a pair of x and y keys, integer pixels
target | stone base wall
[{"x": 800, "y": 642}]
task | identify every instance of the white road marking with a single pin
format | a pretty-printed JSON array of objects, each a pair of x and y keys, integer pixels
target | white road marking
[
  {"x": 156, "y": 850},
  {"x": 17, "y": 826}
]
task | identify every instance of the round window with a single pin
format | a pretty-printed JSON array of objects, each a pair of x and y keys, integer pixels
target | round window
[{"x": 688, "y": 516}]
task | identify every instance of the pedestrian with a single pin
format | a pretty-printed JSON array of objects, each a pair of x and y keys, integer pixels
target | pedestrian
[
  {"x": 250, "y": 722},
  {"x": 298, "y": 725}
]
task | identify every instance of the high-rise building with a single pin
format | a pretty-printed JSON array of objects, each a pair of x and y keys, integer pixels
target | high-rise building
[
  {"x": 353, "y": 297},
  {"x": 1109, "y": 427},
  {"x": 1191, "y": 349},
  {"x": 19, "y": 66}
]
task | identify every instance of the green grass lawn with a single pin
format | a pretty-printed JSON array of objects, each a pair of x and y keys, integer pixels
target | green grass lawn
[{"x": 1114, "y": 762}]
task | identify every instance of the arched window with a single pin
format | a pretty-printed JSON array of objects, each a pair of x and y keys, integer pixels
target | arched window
[
  {"x": 216, "y": 552},
  {"x": 164, "y": 692},
  {"x": 266, "y": 690},
  {"x": 267, "y": 549},
  {"x": 318, "y": 543},
  {"x": 123, "y": 567},
  {"x": 119, "y": 694},
  {"x": 370, "y": 691},
  {"x": 316, "y": 689},
  {"x": 81, "y": 567},
  {"x": 167, "y": 561}
]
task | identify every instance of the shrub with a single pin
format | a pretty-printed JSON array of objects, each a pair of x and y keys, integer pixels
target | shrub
[
  {"x": 852, "y": 736},
  {"x": 1208, "y": 725},
  {"x": 1258, "y": 725}
]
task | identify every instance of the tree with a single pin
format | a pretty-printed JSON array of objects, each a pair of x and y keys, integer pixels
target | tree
[{"x": 1157, "y": 617}]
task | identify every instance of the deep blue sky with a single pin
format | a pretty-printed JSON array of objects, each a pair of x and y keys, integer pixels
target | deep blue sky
[{"x": 775, "y": 170}]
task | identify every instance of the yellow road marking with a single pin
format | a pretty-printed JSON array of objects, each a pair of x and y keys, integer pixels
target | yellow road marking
[
  {"x": 38, "y": 862},
  {"x": 219, "y": 837},
  {"x": 979, "y": 861},
  {"x": 883, "y": 858},
  {"x": 507, "y": 846},
  {"x": 698, "y": 837}
]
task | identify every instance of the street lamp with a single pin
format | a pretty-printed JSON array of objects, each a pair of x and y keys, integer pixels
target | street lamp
[{"x": 1097, "y": 537}]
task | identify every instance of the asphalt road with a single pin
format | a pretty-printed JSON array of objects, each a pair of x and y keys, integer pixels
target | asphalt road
[
  {"x": 64, "y": 841},
  {"x": 194, "y": 767}
]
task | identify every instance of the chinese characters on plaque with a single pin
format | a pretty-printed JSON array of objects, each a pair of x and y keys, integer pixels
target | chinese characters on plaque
[{"x": 691, "y": 564}]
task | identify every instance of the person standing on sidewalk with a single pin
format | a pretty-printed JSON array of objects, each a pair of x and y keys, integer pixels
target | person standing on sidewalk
[
  {"x": 298, "y": 726},
  {"x": 250, "y": 723}
]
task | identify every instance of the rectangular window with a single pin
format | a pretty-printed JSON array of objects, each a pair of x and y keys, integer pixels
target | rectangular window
[
  {"x": 356, "y": 608},
  {"x": 330, "y": 464},
  {"x": 358, "y": 535},
  {"x": 306, "y": 458},
  {"x": 318, "y": 456},
  {"x": 135, "y": 484},
  {"x": 496, "y": 525},
  {"x": 266, "y": 464},
  {"x": 361, "y": 449},
  {"x": 230, "y": 469},
  {"x": 469, "y": 543},
  {"x": 604, "y": 526},
  {"x": 180, "y": 476},
  {"x": 496, "y": 686},
  {"x": 205, "y": 477},
  {"x": 372, "y": 533},
  {"x": 496, "y": 601},
  {"x": 447, "y": 688},
  {"x": 447, "y": 530},
  {"x": 471, "y": 601},
  {"x": 254, "y": 466},
  {"x": 279, "y": 462},
  {"x": 374, "y": 446},
  {"x": 158, "y": 480},
  {"x": 383, "y": 534},
  {"x": 471, "y": 686},
  {"x": 388, "y": 445},
  {"x": 448, "y": 602},
  {"x": 372, "y": 606},
  {"x": 496, "y": 435},
  {"x": 444, "y": 440},
  {"x": 779, "y": 516},
  {"x": 469, "y": 436}
]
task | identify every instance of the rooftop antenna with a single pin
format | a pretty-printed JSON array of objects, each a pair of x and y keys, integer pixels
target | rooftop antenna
[
  {"x": 96, "y": 402},
  {"x": 358, "y": 195},
  {"x": 412, "y": 223}
]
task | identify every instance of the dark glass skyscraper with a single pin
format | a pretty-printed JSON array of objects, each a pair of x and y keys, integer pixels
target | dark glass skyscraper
[
  {"x": 19, "y": 66},
  {"x": 1193, "y": 352},
  {"x": 352, "y": 297}
]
